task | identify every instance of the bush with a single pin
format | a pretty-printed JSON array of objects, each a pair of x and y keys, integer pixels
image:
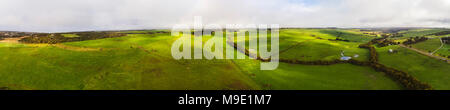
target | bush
[
  {"x": 372, "y": 52},
  {"x": 446, "y": 40},
  {"x": 415, "y": 40},
  {"x": 58, "y": 38}
]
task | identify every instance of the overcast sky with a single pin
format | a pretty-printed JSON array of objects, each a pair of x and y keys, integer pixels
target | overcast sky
[{"x": 81, "y": 15}]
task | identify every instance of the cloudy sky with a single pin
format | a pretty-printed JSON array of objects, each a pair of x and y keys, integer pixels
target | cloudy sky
[{"x": 81, "y": 15}]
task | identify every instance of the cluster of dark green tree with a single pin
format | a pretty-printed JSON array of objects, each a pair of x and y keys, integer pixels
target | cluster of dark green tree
[
  {"x": 372, "y": 53},
  {"x": 13, "y": 34},
  {"x": 382, "y": 42},
  {"x": 59, "y": 38},
  {"x": 414, "y": 40},
  {"x": 339, "y": 39},
  {"x": 373, "y": 56},
  {"x": 446, "y": 40}
]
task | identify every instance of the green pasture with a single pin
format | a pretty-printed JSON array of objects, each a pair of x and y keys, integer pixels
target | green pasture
[
  {"x": 143, "y": 61},
  {"x": 426, "y": 69}
]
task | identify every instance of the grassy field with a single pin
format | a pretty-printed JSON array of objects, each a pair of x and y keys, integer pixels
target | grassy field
[
  {"x": 431, "y": 45},
  {"x": 142, "y": 60},
  {"x": 312, "y": 44},
  {"x": 308, "y": 77},
  {"x": 424, "y": 68},
  {"x": 118, "y": 66},
  {"x": 444, "y": 51},
  {"x": 419, "y": 32},
  {"x": 353, "y": 36}
]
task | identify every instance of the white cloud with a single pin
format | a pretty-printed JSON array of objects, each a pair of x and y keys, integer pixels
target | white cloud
[{"x": 77, "y": 15}]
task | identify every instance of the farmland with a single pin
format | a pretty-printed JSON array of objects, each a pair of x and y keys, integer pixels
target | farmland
[{"x": 141, "y": 60}]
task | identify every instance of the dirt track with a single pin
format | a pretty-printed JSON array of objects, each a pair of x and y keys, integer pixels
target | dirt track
[
  {"x": 425, "y": 53},
  {"x": 442, "y": 45},
  {"x": 73, "y": 48}
]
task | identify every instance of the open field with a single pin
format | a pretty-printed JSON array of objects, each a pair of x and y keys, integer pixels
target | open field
[
  {"x": 309, "y": 77},
  {"x": 142, "y": 60},
  {"x": 420, "y": 32},
  {"x": 432, "y": 45},
  {"x": 312, "y": 45},
  {"x": 427, "y": 69},
  {"x": 117, "y": 67}
]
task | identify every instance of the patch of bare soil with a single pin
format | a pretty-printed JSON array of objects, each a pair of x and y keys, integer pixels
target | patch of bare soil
[{"x": 12, "y": 40}]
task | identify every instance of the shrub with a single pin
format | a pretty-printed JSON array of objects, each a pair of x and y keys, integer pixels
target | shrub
[{"x": 58, "y": 38}]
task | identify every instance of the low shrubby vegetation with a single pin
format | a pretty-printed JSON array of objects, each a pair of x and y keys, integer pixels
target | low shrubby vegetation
[
  {"x": 446, "y": 40},
  {"x": 414, "y": 40},
  {"x": 60, "y": 38}
]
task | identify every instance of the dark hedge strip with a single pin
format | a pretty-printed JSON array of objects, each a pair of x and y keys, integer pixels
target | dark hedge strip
[
  {"x": 59, "y": 38},
  {"x": 11, "y": 34},
  {"x": 246, "y": 52},
  {"x": 408, "y": 81},
  {"x": 373, "y": 55},
  {"x": 415, "y": 40},
  {"x": 339, "y": 39}
]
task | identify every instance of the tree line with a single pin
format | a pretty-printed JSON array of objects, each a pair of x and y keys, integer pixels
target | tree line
[
  {"x": 13, "y": 34},
  {"x": 414, "y": 40},
  {"x": 446, "y": 40},
  {"x": 59, "y": 38}
]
